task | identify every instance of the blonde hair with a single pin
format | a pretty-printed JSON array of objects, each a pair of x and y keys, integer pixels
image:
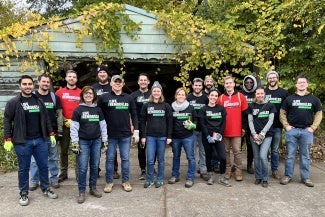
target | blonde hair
[
  {"x": 179, "y": 90},
  {"x": 229, "y": 77}
]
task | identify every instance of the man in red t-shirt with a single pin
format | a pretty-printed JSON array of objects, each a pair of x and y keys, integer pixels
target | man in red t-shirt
[
  {"x": 235, "y": 104},
  {"x": 69, "y": 97}
]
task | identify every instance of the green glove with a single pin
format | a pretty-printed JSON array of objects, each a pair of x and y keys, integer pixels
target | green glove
[
  {"x": 67, "y": 123},
  {"x": 76, "y": 148},
  {"x": 189, "y": 125},
  {"x": 8, "y": 145},
  {"x": 53, "y": 141}
]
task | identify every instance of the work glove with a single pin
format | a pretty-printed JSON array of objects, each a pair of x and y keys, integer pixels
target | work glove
[
  {"x": 217, "y": 137},
  {"x": 8, "y": 145},
  {"x": 104, "y": 147},
  {"x": 261, "y": 136},
  {"x": 53, "y": 141},
  {"x": 189, "y": 125},
  {"x": 210, "y": 139},
  {"x": 67, "y": 122},
  {"x": 135, "y": 137},
  {"x": 76, "y": 148}
]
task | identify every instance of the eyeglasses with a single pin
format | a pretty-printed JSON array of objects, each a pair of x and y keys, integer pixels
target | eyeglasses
[{"x": 88, "y": 93}]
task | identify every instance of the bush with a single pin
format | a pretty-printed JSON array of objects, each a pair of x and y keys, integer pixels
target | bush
[{"x": 8, "y": 160}]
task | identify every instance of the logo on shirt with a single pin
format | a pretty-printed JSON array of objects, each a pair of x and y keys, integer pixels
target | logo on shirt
[
  {"x": 181, "y": 116},
  {"x": 67, "y": 96},
  {"x": 91, "y": 118},
  {"x": 49, "y": 105},
  {"x": 196, "y": 106},
  {"x": 273, "y": 100},
  {"x": 301, "y": 105},
  {"x": 228, "y": 104},
  {"x": 156, "y": 113},
  {"x": 212, "y": 115},
  {"x": 262, "y": 114},
  {"x": 142, "y": 99},
  {"x": 30, "y": 108},
  {"x": 118, "y": 105}
]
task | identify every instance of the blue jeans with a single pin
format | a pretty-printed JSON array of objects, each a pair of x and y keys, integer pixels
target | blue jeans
[
  {"x": 276, "y": 139},
  {"x": 124, "y": 147},
  {"x": 155, "y": 147},
  {"x": 39, "y": 149},
  {"x": 198, "y": 141},
  {"x": 188, "y": 144},
  {"x": 90, "y": 152},
  {"x": 303, "y": 139},
  {"x": 53, "y": 165},
  {"x": 260, "y": 158}
]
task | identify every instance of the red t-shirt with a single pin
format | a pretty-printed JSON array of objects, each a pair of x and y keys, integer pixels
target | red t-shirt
[
  {"x": 70, "y": 99},
  {"x": 234, "y": 105}
]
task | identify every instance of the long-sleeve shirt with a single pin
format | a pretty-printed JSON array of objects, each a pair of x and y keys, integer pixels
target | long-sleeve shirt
[
  {"x": 88, "y": 123},
  {"x": 117, "y": 110},
  {"x": 156, "y": 120},
  {"x": 179, "y": 131}
]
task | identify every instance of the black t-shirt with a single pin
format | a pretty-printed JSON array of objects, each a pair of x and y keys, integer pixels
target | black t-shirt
[
  {"x": 101, "y": 89},
  {"x": 32, "y": 116},
  {"x": 212, "y": 119},
  {"x": 301, "y": 109},
  {"x": 88, "y": 119},
  {"x": 51, "y": 107},
  {"x": 276, "y": 97},
  {"x": 261, "y": 113}
]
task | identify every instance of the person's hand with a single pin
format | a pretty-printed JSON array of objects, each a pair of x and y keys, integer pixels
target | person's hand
[
  {"x": 289, "y": 127},
  {"x": 210, "y": 139},
  {"x": 218, "y": 137},
  {"x": 168, "y": 141},
  {"x": 104, "y": 147},
  {"x": 67, "y": 123},
  {"x": 189, "y": 125},
  {"x": 143, "y": 142},
  {"x": 261, "y": 136},
  {"x": 135, "y": 137},
  {"x": 8, "y": 145},
  {"x": 76, "y": 148},
  {"x": 53, "y": 141}
]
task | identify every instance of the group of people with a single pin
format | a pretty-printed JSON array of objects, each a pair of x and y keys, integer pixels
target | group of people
[{"x": 100, "y": 119}]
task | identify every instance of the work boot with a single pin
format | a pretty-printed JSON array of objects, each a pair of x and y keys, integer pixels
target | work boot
[
  {"x": 81, "y": 198},
  {"x": 95, "y": 193},
  {"x": 250, "y": 169},
  {"x": 238, "y": 176},
  {"x": 228, "y": 175},
  {"x": 210, "y": 180},
  {"x": 204, "y": 176},
  {"x": 276, "y": 175}
]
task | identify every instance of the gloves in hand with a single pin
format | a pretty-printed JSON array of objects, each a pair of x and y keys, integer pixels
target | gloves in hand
[
  {"x": 67, "y": 123},
  {"x": 8, "y": 145},
  {"x": 104, "y": 147},
  {"x": 261, "y": 136},
  {"x": 76, "y": 148},
  {"x": 217, "y": 137},
  {"x": 53, "y": 141},
  {"x": 210, "y": 139},
  {"x": 135, "y": 137},
  {"x": 189, "y": 125}
]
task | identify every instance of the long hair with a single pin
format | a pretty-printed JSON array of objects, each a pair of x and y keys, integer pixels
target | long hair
[
  {"x": 161, "y": 98},
  {"x": 84, "y": 90}
]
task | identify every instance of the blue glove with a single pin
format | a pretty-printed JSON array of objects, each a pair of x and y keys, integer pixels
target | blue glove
[{"x": 210, "y": 139}]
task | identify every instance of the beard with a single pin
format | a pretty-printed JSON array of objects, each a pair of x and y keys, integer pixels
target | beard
[{"x": 102, "y": 80}]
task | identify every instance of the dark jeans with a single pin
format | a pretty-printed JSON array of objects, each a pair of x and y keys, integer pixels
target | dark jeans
[
  {"x": 142, "y": 156},
  {"x": 221, "y": 152},
  {"x": 250, "y": 154}
]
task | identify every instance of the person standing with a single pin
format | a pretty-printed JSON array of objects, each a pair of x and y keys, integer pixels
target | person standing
[
  {"x": 22, "y": 111},
  {"x": 88, "y": 130},
  {"x": 156, "y": 126},
  {"x": 198, "y": 99},
  {"x": 103, "y": 86},
  {"x": 212, "y": 118},
  {"x": 275, "y": 95},
  {"x": 249, "y": 87},
  {"x": 299, "y": 132},
  {"x": 54, "y": 110},
  {"x": 235, "y": 104},
  {"x": 208, "y": 83},
  {"x": 118, "y": 108},
  {"x": 260, "y": 119},
  {"x": 69, "y": 97},
  {"x": 184, "y": 122},
  {"x": 141, "y": 97}
]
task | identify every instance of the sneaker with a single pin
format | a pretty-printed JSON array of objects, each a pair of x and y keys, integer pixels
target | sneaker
[
  {"x": 216, "y": 168},
  {"x": 142, "y": 175},
  {"x": 204, "y": 176},
  {"x": 285, "y": 180},
  {"x": 276, "y": 175},
  {"x": 189, "y": 184},
  {"x": 308, "y": 182},
  {"x": 127, "y": 186},
  {"x": 23, "y": 201},
  {"x": 228, "y": 175},
  {"x": 159, "y": 184},
  {"x": 55, "y": 185},
  {"x": 258, "y": 181},
  {"x": 33, "y": 186},
  {"x": 108, "y": 187},
  {"x": 210, "y": 180},
  {"x": 50, "y": 194},
  {"x": 95, "y": 193},
  {"x": 224, "y": 181},
  {"x": 148, "y": 184},
  {"x": 81, "y": 198},
  {"x": 173, "y": 180},
  {"x": 265, "y": 184},
  {"x": 116, "y": 175},
  {"x": 62, "y": 177}
]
